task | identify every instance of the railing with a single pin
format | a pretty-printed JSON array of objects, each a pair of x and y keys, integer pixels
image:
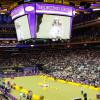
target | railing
[{"x": 8, "y": 94}]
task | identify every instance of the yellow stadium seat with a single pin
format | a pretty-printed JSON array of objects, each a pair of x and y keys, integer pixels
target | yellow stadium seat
[
  {"x": 35, "y": 97},
  {"x": 17, "y": 88}
]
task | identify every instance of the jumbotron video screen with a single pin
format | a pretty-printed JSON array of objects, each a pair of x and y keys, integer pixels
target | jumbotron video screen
[
  {"x": 53, "y": 26},
  {"x": 43, "y": 21},
  {"x": 22, "y": 28}
]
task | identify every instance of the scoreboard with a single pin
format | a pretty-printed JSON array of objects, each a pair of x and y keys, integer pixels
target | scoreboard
[{"x": 31, "y": 19}]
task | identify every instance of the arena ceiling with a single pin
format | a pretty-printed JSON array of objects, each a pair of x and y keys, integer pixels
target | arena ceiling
[{"x": 6, "y": 5}]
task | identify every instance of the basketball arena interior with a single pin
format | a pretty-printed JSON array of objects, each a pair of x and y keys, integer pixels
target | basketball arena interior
[{"x": 49, "y": 49}]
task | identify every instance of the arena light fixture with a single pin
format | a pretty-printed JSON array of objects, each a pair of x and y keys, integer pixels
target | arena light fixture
[
  {"x": 98, "y": 18},
  {"x": 96, "y": 9}
]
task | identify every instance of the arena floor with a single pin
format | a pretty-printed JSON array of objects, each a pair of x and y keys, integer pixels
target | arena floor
[{"x": 54, "y": 91}]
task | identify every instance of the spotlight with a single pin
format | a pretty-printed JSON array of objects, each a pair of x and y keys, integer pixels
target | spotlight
[
  {"x": 96, "y": 9},
  {"x": 98, "y": 18}
]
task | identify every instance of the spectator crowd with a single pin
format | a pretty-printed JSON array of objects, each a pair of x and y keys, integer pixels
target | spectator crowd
[{"x": 79, "y": 65}]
